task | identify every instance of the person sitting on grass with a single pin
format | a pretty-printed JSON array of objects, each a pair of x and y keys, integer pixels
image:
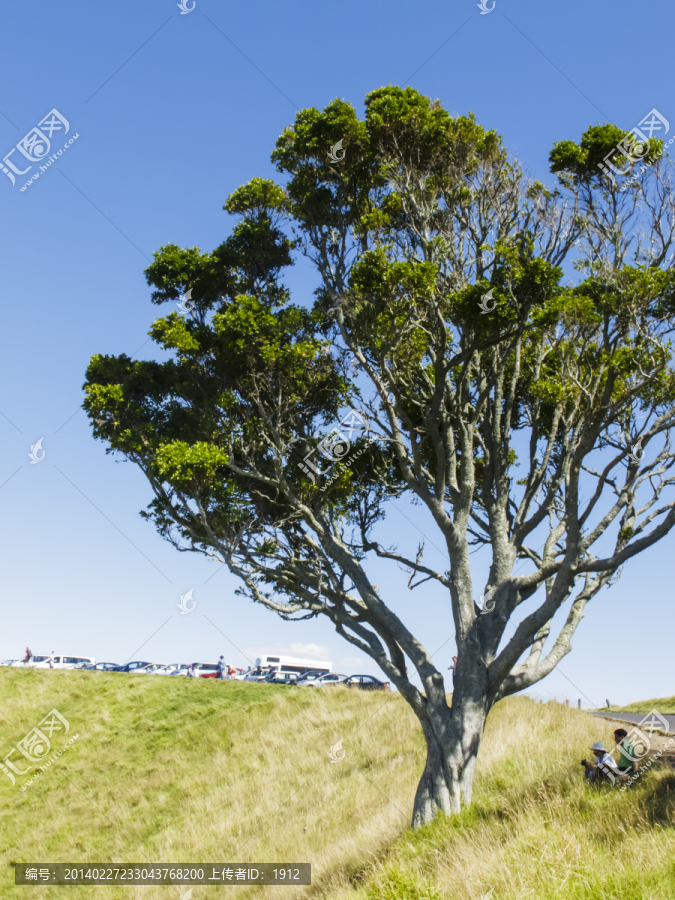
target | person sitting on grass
[
  {"x": 604, "y": 767},
  {"x": 627, "y": 764}
]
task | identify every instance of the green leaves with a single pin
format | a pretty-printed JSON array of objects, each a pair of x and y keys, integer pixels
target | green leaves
[
  {"x": 583, "y": 160},
  {"x": 408, "y": 228},
  {"x": 187, "y": 466},
  {"x": 407, "y": 127},
  {"x": 258, "y": 196},
  {"x": 176, "y": 270}
]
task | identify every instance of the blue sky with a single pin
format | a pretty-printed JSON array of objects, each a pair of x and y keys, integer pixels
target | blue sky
[{"x": 173, "y": 112}]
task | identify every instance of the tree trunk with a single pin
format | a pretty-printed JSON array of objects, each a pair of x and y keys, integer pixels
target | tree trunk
[{"x": 447, "y": 780}]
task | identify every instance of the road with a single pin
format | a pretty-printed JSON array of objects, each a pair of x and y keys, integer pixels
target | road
[{"x": 635, "y": 718}]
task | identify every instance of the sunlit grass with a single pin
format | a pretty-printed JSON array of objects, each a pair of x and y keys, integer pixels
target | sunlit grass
[
  {"x": 664, "y": 705},
  {"x": 179, "y": 771}
]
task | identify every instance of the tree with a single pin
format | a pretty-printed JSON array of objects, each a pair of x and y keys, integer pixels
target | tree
[{"x": 441, "y": 318}]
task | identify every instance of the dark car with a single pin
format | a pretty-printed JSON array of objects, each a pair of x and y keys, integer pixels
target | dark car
[
  {"x": 103, "y": 667},
  {"x": 282, "y": 678},
  {"x": 366, "y": 683},
  {"x": 129, "y": 667}
]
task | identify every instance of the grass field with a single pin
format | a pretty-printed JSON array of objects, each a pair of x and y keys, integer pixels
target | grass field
[
  {"x": 176, "y": 770},
  {"x": 665, "y": 705}
]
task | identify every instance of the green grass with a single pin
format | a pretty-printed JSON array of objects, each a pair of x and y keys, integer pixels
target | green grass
[
  {"x": 665, "y": 705},
  {"x": 178, "y": 771}
]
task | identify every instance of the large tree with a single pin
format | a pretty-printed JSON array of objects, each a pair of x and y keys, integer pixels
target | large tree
[{"x": 410, "y": 221}]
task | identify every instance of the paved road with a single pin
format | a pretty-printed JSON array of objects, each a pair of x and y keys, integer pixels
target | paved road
[{"x": 635, "y": 718}]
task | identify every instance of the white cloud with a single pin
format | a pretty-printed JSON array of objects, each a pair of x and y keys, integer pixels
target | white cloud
[
  {"x": 356, "y": 663},
  {"x": 300, "y": 651}
]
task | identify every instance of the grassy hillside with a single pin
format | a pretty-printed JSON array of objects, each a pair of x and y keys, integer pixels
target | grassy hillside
[
  {"x": 173, "y": 770},
  {"x": 665, "y": 705}
]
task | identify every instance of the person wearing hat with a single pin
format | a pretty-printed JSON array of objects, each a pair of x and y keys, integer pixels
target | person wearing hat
[
  {"x": 221, "y": 668},
  {"x": 604, "y": 764}
]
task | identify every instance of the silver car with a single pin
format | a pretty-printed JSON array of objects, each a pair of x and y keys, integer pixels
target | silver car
[
  {"x": 321, "y": 680},
  {"x": 152, "y": 669}
]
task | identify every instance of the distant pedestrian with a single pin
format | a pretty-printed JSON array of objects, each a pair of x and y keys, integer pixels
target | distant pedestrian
[
  {"x": 453, "y": 669},
  {"x": 28, "y": 655},
  {"x": 192, "y": 671},
  {"x": 221, "y": 668},
  {"x": 51, "y": 660}
]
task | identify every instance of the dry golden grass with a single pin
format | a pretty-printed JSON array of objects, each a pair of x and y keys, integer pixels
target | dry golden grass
[
  {"x": 535, "y": 829},
  {"x": 177, "y": 771},
  {"x": 172, "y": 770}
]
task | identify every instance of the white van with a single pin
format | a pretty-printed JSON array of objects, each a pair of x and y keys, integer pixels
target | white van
[{"x": 63, "y": 662}]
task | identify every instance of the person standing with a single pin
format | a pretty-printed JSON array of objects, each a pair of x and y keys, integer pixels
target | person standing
[
  {"x": 453, "y": 669},
  {"x": 51, "y": 660},
  {"x": 28, "y": 655},
  {"x": 221, "y": 668}
]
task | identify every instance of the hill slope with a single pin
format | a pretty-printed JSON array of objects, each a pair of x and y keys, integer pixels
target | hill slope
[
  {"x": 665, "y": 705},
  {"x": 176, "y": 770}
]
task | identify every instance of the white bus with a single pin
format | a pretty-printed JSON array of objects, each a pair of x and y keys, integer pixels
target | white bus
[{"x": 291, "y": 664}]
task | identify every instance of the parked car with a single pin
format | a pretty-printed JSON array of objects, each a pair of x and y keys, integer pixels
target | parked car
[
  {"x": 147, "y": 670},
  {"x": 9, "y": 662},
  {"x": 129, "y": 667},
  {"x": 63, "y": 662},
  {"x": 102, "y": 667},
  {"x": 282, "y": 678},
  {"x": 321, "y": 680},
  {"x": 311, "y": 676},
  {"x": 207, "y": 670},
  {"x": 257, "y": 675},
  {"x": 184, "y": 669},
  {"x": 168, "y": 669},
  {"x": 33, "y": 662},
  {"x": 181, "y": 669},
  {"x": 367, "y": 683}
]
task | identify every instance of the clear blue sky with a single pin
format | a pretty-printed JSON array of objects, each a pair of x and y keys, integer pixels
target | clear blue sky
[{"x": 193, "y": 112}]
